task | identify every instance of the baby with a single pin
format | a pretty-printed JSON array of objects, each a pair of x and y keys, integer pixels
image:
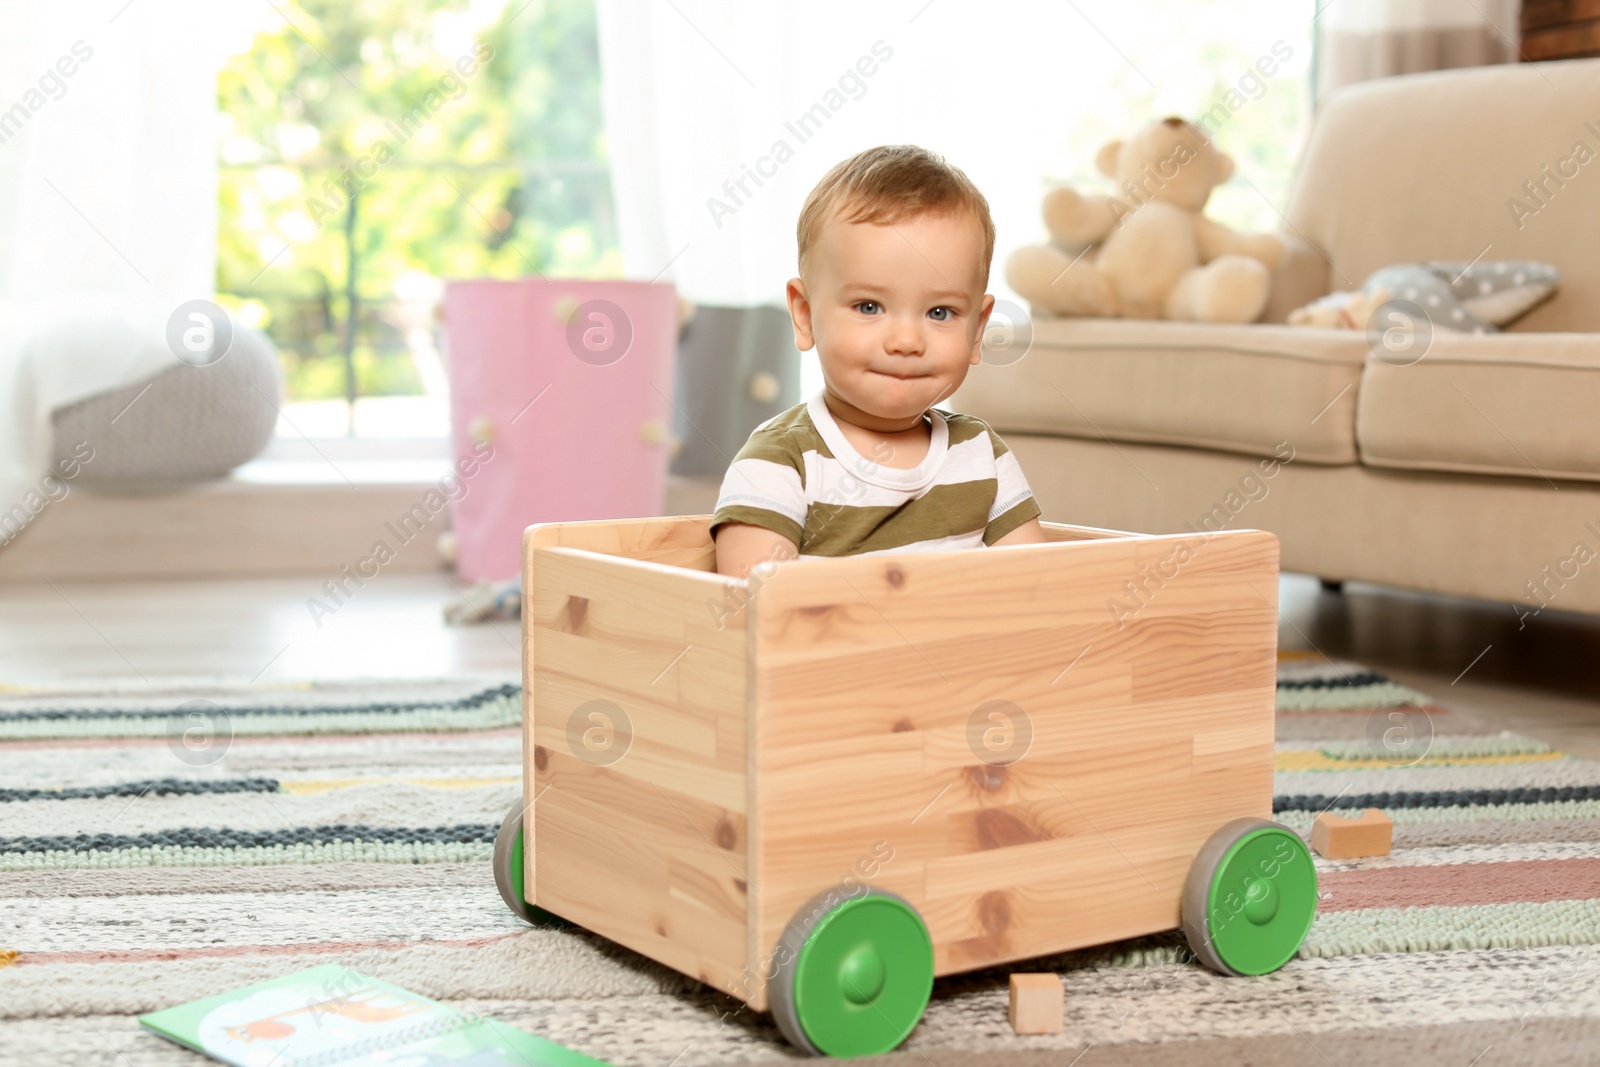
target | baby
[{"x": 895, "y": 248}]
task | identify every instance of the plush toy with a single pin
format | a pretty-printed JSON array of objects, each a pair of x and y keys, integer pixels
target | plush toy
[
  {"x": 1477, "y": 297},
  {"x": 1148, "y": 252},
  {"x": 1340, "y": 311}
]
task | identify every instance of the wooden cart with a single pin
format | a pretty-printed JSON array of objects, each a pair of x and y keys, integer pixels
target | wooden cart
[{"x": 818, "y": 788}]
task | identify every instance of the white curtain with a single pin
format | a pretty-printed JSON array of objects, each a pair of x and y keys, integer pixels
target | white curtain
[
  {"x": 1363, "y": 39},
  {"x": 698, "y": 94},
  {"x": 108, "y": 202}
]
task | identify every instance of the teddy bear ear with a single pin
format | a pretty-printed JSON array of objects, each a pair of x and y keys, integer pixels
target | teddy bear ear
[{"x": 1106, "y": 160}]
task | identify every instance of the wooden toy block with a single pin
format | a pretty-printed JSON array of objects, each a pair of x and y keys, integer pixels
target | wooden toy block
[
  {"x": 1338, "y": 838},
  {"x": 1038, "y": 1004}
]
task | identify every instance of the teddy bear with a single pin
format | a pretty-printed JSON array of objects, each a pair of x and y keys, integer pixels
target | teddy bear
[{"x": 1148, "y": 252}]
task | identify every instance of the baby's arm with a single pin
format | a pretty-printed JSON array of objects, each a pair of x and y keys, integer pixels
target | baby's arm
[
  {"x": 741, "y": 545},
  {"x": 1029, "y": 533},
  {"x": 1020, "y": 520}
]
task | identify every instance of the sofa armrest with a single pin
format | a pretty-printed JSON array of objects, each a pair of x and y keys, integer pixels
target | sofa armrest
[{"x": 1299, "y": 279}]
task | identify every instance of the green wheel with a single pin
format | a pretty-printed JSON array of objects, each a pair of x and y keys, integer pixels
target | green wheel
[
  {"x": 508, "y": 871},
  {"x": 854, "y": 970},
  {"x": 1250, "y": 897}
]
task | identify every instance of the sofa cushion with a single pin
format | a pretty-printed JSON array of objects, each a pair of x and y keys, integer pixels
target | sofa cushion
[
  {"x": 1521, "y": 404},
  {"x": 1243, "y": 389},
  {"x": 1494, "y": 162}
]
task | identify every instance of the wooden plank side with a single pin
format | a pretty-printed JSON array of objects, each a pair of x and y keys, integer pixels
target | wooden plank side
[
  {"x": 713, "y": 834},
  {"x": 664, "y": 600},
  {"x": 1146, "y": 662},
  {"x": 688, "y": 684},
  {"x": 1150, "y": 725},
  {"x": 1074, "y": 892},
  {"x": 975, "y": 809},
  {"x": 1061, "y": 531},
  {"x": 641, "y": 831},
  {"x": 678, "y": 541},
  {"x": 962, "y": 811},
  {"x": 671, "y": 923},
  {"x": 850, "y": 603},
  {"x": 650, "y": 759},
  {"x": 675, "y": 539},
  {"x": 533, "y": 538}
]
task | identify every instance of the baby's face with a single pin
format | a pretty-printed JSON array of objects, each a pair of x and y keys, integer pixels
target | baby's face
[{"x": 896, "y": 312}]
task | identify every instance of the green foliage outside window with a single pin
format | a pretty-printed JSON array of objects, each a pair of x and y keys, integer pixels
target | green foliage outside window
[
  {"x": 505, "y": 173},
  {"x": 471, "y": 143}
]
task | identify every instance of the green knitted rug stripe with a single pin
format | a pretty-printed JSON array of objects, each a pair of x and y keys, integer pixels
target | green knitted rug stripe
[{"x": 333, "y": 709}]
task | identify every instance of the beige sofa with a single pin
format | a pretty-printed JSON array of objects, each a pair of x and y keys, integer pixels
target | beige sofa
[{"x": 1473, "y": 471}]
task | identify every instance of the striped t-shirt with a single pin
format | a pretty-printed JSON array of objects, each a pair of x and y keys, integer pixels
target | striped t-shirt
[{"x": 799, "y": 476}]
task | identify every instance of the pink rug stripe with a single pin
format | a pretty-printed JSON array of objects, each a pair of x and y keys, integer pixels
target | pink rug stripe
[{"x": 1459, "y": 885}]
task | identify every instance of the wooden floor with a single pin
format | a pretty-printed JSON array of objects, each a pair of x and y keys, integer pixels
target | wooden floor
[
  {"x": 1541, "y": 677},
  {"x": 1538, "y": 676},
  {"x": 256, "y": 630}
]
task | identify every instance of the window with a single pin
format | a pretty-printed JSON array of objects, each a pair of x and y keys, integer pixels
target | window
[
  {"x": 1237, "y": 69},
  {"x": 370, "y": 151},
  {"x": 1076, "y": 76}
]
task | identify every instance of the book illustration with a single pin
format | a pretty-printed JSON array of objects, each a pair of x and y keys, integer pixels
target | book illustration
[
  {"x": 332, "y": 1016},
  {"x": 286, "y": 1025},
  {"x": 363, "y": 1007}
]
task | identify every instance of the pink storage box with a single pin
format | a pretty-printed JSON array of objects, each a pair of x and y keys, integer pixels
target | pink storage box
[{"x": 570, "y": 384}]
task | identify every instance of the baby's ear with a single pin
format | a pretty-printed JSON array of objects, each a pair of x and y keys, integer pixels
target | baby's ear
[
  {"x": 985, "y": 315},
  {"x": 800, "y": 314}
]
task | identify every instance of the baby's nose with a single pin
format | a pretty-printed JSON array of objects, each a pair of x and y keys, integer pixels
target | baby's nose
[{"x": 906, "y": 339}]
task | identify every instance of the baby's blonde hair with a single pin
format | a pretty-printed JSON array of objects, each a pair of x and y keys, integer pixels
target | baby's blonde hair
[{"x": 889, "y": 183}]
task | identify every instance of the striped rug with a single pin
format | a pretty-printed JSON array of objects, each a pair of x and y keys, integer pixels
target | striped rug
[{"x": 157, "y": 845}]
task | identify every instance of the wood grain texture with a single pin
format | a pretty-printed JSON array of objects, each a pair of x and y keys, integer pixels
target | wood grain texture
[
  {"x": 640, "y": 836},
  {"x": 683, "y": 541},
  {"x": 1029, "y": 743},
  {"x": 1336, "y": 837},
  {"x": 1142, "y": 667},
  {"x": 1037, "y": 1005},
  {"x": 1537, "y": 14},
  {"x": 1559, "y": 29}
]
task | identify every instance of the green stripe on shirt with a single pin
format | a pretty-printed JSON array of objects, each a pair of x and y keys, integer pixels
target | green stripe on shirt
[{"x": 857, "y": 506}]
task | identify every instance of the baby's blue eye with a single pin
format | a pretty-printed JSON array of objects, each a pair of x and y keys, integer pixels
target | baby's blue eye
[
  {"x": 866, "y": 303},
  {"x": 948, "y": 312}
]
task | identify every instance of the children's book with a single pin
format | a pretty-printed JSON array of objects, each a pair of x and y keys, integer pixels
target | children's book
[{"x": 332, "y": 1016}]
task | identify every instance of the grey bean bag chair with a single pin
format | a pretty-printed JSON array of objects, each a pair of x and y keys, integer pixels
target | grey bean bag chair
[{"x": 183, "y": 424}]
